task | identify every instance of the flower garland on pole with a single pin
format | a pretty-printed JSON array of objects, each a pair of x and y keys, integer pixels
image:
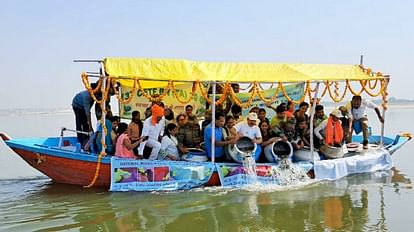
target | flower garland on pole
[
  {"x": 223, "y": 96},
  {"x": 102, "y": 102},
  {"x": 120, "y": 99},
  {"x": 87, "y": 84}
]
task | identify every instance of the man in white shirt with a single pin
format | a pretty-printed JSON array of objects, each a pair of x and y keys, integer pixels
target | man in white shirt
[
  {"x": 358, "y": 107},
  {"x": 249, "y": 129},
  {"x": 151, "y": 132}
]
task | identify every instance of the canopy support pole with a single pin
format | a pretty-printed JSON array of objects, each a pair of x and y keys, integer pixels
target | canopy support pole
[
  {"x": 312, "y": 148},
  {"x": 384, "y": 99},
  {"x": 213, "y": 124},
  {"x": 103, "y": 107}
]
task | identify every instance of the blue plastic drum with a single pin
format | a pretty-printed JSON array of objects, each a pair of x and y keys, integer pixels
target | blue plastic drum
[{"x": 195, "y": 155}]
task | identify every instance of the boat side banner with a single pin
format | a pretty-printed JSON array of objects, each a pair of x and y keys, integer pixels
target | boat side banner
[
  {"x": 236, "y": 175},
  {"x": 147, "y": 175}
]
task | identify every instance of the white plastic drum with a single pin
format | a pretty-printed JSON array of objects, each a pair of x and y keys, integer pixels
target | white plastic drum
[
  {"x": 274, "y": 151},
  {"x": 243, "y": 147},
  {"x": 195, "y": 155},
  {"x": 305, "y": 155}
]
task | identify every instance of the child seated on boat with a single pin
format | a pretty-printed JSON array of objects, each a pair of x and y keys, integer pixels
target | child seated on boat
[
  {"x": 124, "y": 145},
  {"x": 169, "y": 150}
]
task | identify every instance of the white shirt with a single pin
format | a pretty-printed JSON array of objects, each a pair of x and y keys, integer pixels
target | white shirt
[
  {"x": 361, "y": 111},
  {"x": 320, "y": 128},
  {"x": 169, "y": 145},
  {"x": 244, "y": 129},
  {"x": 153, "y": 131}
]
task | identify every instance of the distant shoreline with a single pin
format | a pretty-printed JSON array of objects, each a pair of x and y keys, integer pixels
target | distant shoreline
[{"x": 64, "y": 111}]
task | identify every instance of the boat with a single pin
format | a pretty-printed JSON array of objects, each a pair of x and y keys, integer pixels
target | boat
[{"x": 61, "y": 159}]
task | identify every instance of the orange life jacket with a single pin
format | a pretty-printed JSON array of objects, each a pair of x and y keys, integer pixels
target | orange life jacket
[{"x": 333, "y": 132}]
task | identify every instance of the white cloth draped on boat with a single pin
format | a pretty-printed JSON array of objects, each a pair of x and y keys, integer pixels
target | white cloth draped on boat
[{"x": 375, "y": 160}]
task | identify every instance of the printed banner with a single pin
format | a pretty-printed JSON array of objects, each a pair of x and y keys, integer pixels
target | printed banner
[
  {"x": 236, "y": 175},
  {"x": 147, "y": 175},
  {"x": 141, "y": 103}
]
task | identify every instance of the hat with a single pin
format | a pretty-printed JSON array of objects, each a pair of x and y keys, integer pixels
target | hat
[
  {"x": 337, "y": 113},
  {"x": 252, "y": 116},
  {"x": 343, "y": 109}
]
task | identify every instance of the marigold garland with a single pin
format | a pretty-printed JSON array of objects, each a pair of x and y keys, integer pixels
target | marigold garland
[
  {"x": 120, "y": 99},
  {"x": 375, "y": 84},
  {"x": 287, "y": 96},
  {"x": 384, "y": 94},
  {"x": 237, "y": 100},
  {"x": 272, "y": 98},
  {"x": 335, "y": 98},
  {"x": 104, "y": 145},
  {"x": 87, "y": 84},
  {"x": 223, "y": 96},
  {"x": 193, "y": 91},
  {"x": 106, "y": 91},
  {"x": 151, "y": 98}
]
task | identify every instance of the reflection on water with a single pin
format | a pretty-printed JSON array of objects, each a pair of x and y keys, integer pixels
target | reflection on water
[{"x": 38, "y": 204}]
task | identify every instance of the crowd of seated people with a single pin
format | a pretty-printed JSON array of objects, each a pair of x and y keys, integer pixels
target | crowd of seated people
[{"x": 165, "y": 137}]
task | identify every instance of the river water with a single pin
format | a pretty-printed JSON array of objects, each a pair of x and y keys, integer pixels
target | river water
[{"x": 29, "y": 201}]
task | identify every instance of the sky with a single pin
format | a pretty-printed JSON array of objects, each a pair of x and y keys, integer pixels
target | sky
[{"x": 40, "y": 39}]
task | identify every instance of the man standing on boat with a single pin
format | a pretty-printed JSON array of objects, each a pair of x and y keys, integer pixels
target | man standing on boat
[
  {"x": 153, "y": 129},
  {"x": 358, "y": 107},
  {"x": 82, "y": 104}
]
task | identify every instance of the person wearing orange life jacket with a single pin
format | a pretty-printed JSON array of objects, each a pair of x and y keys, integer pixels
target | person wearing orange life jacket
[{"x": 331, "y": 128}]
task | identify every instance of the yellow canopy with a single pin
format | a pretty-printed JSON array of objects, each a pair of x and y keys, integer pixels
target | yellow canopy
[{"x": 186, "y": 70}]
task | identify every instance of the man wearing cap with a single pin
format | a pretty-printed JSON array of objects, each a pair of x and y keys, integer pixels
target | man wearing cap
[
  {"x": 330, "y": 130},
  {"x": 153, "y": 129},
  {"x": 358, "y": 107},
  {"x": 250, "y": 129}
]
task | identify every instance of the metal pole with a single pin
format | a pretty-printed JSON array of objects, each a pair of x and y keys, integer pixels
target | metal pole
[
  {"x": 213, "y": 81},
  {"x": 103, "y": 108},
  {"x": 383, "y": 113},
  {"x": 312, "y": 148},
  {"x": 361, "y": 60},
  {"x": 88, "y": 61},
  {"x": 213, "y": 125}
]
